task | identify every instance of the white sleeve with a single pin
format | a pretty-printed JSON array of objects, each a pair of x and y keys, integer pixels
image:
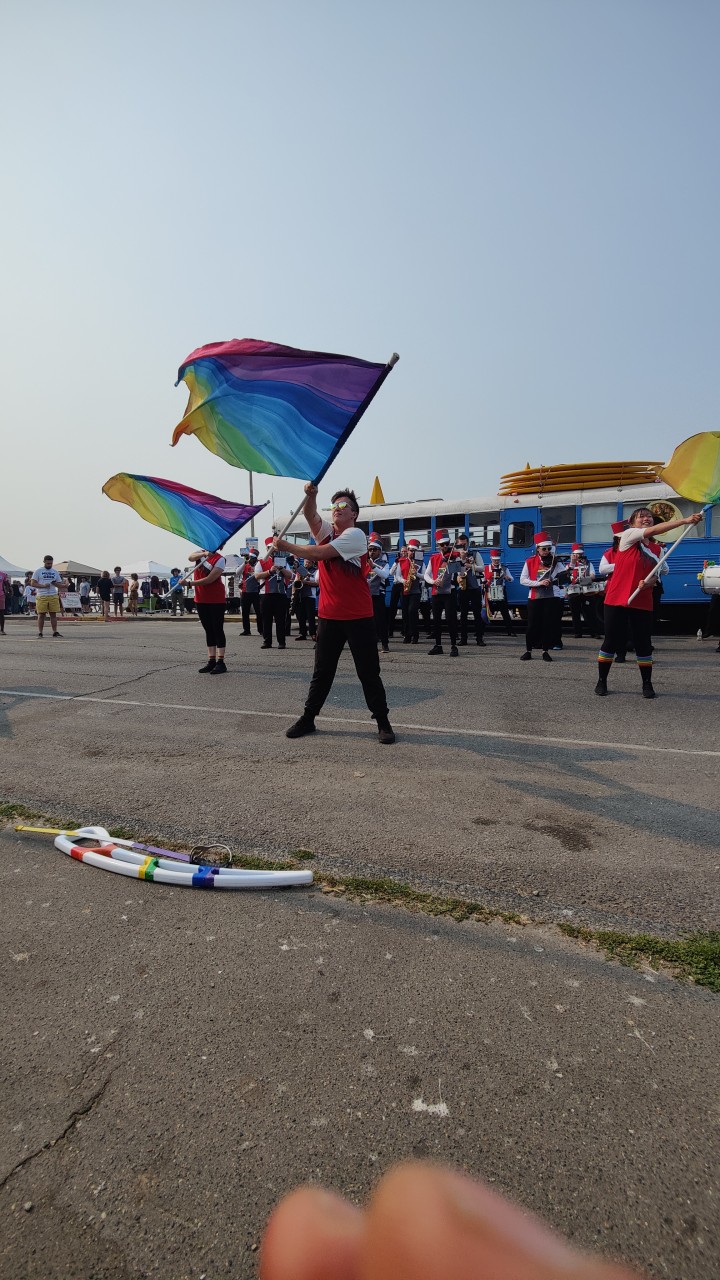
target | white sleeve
[
  {"x": 630, "y": 537},
  {"x": 325, "y": 531},
  {"x": 605, "y": 567},
  {"x": 427, "y": 576},
  {"x": 383, "y": 571},
  {"x": 508, "y": 576},
  {"x": 525, "y": 579},
  {"x": 589, "y": 572},
  {"x": 351, "y": 545}
]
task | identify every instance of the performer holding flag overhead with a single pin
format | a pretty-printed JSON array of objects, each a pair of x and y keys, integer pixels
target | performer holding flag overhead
[{"x": 345, "y": 613}]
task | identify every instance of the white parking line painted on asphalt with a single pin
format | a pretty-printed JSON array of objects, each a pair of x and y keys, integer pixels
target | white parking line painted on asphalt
[{"x": 340, "y": 720}]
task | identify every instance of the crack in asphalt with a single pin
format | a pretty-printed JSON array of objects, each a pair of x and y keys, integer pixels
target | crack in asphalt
[{"x": 69, "y": 1126}]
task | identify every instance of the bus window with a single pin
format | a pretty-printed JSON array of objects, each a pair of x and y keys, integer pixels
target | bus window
[
  {"x": 559, "y": 523},
  {"x": 669, "y": 509},
  {"x": 389, "y": 534},
  {"x": 595, "y": 522},
  {"x": 521, "y": 534},
  {"x": 454, "y": 524},
  {"x": 417, "y": 528},
  {"x": 485, "y": 529}
]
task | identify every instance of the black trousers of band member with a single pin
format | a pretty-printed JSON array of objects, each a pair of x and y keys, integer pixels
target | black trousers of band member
[
  {"x": 582, "y": 610},
  {"x": 411, "y": 616},
  {"x": 542, "y": 624},
  {"x": 250, "y": 600},
  {"x": 471, "y": 599},
  {"x": 332, "y": 636},
  {"x": 618, "y": 621},
  {"x": 425, "y": 611},
  {"x": 381, "y": 619},
  {"x": 274, "y": 609},
  {"x": 212, "y": 617},
  {"x": 711, "y": 625},
  {"x": 306, "y": 617},
  {"x": 446, "y": 603},
  {"x": 501, "y": 607},
  {"x": 396, "y": 595}
]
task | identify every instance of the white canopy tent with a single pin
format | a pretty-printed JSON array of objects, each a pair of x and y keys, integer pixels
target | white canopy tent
[
  {"x": 147, "y": 568},
  {"x": 12, "y": 570}
]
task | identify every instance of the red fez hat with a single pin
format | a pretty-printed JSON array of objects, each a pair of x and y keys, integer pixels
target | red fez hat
[
  {"x": 413, "y": 542},
  {"x": 374, "y": 537},
  {"x": 577, "y": 546},
  {"x": 268, "y": 542},
  {"x": 541, "y": 538},
  {"x": 442, "y": 535},
  {"x": 495, "y": 553}
]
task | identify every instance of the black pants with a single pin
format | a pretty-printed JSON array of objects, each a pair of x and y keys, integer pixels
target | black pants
[
  {"x": 306, "y": 617},
  {"x": 212, "y": 617},
  {"x": 331, "y": 638},
  {"x": 618, "y": 621},
  {"x": 177, "y": 601},
  {"x": 381, "y": 619},
  {"x": 250, "y": 600},
  {"x": 471, "y": 599},
  {"x": 411, "y": 616},
  {"x": 446, "y": 603},
  {"x": 274, "y": 609},
  {"x": 582, "y": 610},
  {"x": 395, "y": 598},
  {"x": 501, "y": 607},
  {"x": 542, "y": 624},
  {"x": 711, "y": 625}
]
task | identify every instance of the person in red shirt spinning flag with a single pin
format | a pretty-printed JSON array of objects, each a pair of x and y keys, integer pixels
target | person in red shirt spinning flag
[
  {"x": 635, "y": 566},
  {"x": 345, "y": 612},
  {"x": 210, "y": 605}
]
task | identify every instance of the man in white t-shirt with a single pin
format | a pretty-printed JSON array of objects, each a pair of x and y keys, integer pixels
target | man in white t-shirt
[
  {"x": 46, "y": 582},
  {"x": 345, "y": 612}
]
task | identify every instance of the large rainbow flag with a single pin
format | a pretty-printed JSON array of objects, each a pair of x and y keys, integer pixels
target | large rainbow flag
[
  {"x": 202, "y": 518},
  {"x": 275, "y": 409},
  {"x": 694, "y": 469}
]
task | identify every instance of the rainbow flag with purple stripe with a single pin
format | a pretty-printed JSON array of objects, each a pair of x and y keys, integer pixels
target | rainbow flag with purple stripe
[
  {"x": 202, "y": 518},
  {"x": 275, "y": 409}
]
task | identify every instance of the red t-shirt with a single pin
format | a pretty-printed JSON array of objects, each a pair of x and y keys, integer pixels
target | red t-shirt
[
  {"x": 215, "y": 593},
  {"x": 344, "y": 591}
]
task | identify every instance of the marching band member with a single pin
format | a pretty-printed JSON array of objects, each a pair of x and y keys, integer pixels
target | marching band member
[
  {"x": 249, "y": 593},
  {"x": 274, "y": 596},
  {"x": 396, "y": 591},
  {"x": 378, "y": 573},
  {"x": 410, "y": 568},
  {"x": 635, "y": 566},
  {"x": 496, "y": 575},
  {"x": 307, "y": 593},
  {"x": 581, "y": 602},
  {"x": 470, "y": 596},
  {"x": 540, "y": 573},
  {"x": 440, "y": 575}
]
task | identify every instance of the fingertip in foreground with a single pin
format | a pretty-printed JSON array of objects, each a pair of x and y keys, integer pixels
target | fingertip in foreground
[{"x": 313, "y": 1234}]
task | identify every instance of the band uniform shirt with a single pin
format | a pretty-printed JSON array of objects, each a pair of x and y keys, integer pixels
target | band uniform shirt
[
  {"x": 635, "y": 558},
  {"x": 378, "y": 573},
  {"x": 504, "y": 575},
  {"x": 435, "y": 563},
  {"x": 344, "y": 591},
  {"x": 275, "y": 584},
  {"x": 548, "y": 589},
  {"x": 402, "y": 572},
  {"x": 215, "y": 593}
]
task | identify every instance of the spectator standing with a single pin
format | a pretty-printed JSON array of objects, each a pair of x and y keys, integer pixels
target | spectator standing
[
  {"x": 119, "y": 587},
  {"x": 46, "y": 580},
  {"x": 85, "y": 595},
  {"x": 104, "y": 590},
  {"x": 5, "y": 599},
  {"x": 133, "y": 592},
  {"x": 177, "y": 594},
  {"x": 145, "y": 592},
  {"x": 29, "y": 595}
]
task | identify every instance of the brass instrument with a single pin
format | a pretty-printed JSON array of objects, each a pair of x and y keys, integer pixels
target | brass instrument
[{"x": 411, "y": 576}]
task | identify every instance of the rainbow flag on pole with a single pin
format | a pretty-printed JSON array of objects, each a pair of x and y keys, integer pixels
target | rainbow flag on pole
[
  {"x": 275, "y": 409},
  {"x": 199, "y": 517},
  {"x": 694, "y": 469}
]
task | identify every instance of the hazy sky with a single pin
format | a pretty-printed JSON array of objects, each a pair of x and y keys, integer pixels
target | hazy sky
[{"x": 521, "y": 197}]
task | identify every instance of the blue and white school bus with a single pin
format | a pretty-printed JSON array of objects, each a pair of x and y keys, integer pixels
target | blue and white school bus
[{"x": 510, "y": 523}]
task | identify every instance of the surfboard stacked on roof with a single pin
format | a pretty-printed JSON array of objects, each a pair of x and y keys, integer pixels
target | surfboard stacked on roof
[{"x": 578, "y": 475}]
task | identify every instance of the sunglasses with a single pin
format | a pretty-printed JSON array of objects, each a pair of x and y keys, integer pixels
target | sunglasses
[{"x": 340, "y": 506}]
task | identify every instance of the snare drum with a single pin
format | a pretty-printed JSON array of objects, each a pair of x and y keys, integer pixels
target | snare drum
[
  {"x": 574, "y": 589},
  {"x": 710, "y": 581},
  {"x": 593, "y": 589},
  {"x": 495, "y": 592}
]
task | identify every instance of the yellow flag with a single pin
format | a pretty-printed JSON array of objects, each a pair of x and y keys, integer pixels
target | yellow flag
[{"x": 377, "y": 494}]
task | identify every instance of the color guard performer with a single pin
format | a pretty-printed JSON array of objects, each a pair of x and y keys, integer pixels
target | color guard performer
[
  {"x": 541, "y": 573},
  {"x": 411, "y": 570},
  {"x": 495, "y": 576},
  {"x": 440, "y": 575},
  {"x": 581, "y": 598},
  {"x": 635, "y": 566},
  {"x": 378, "y": 573},
  {"x": 274, "y": 595}
]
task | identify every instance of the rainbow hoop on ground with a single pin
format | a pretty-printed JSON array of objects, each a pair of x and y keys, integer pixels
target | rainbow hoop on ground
[{"x": 124, "y": 862}]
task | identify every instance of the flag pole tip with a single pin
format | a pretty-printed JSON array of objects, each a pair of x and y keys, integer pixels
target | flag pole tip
[{"x": 393, "y": 360}]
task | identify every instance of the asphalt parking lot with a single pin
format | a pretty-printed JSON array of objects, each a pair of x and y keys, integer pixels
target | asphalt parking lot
[{"x": 174, "y": 1061}]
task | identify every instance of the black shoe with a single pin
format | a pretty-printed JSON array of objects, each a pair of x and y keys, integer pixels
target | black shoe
[
  {"x": 209, "y": 666},
  {"x": 282, "y": 646},
  {"x": 525, "y": 657},
  {"x": 546, "y": 656},
  {"x": 481, "y": 643},
  {"x": 386, "y": 648},
  {"x": 463, "y": 641},
  {"x": 577, "y": 635},
  {"x": 219, "y": 669},
  {"x": 385, "y": 733},
  {"x": 620, "y": 657},
  {"x": 601, "y": 688},
  {"x": 453, "y": 651},
  {"x": 306, "y": 724},
  {"x": 648, "y": 691},
  {"x": 57, "y": 635},
  {"x": 406, "y": 640},
  {"x": 300, "y": 638},
  {"x": 266, "y": 645},
  {"x": 415, "y": 640},
  {"x": 557, "y": 646},
  {"x": 437, "y": 648}
]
